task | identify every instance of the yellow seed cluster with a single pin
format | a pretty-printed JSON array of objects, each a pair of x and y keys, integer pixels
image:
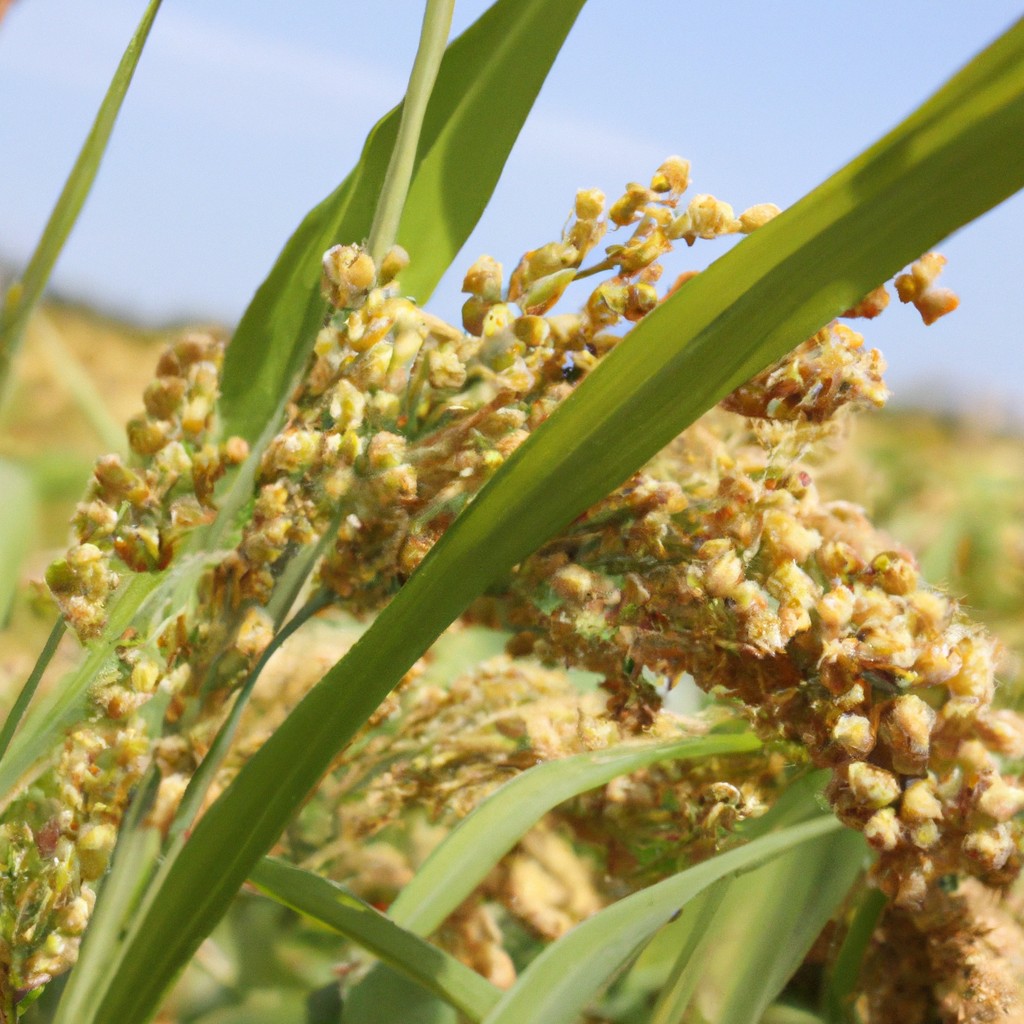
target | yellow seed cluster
[
  {"x": 402, "y": 418},
  {"x": 133, "y": 519},
  {"x": 732, "y": 568},
  {"x": 135, "y": 515},
  {"x": 956, "y": 959},
  {"x": 55, "y": 841},
  {"x": 820, "y": 376},
  {"x": 720, "y": 560}
]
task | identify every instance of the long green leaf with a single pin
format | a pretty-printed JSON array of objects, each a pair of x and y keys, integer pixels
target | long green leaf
[
  {"x": 776, "y": 287},
  {"x": 570, "y": 972},
  {"x": 666, "y": 973},
  {"x": 25, "y": 293},
  {"x": 430, "y": 967},
  {"x": 464, "y": 858},
  {"x": 841, "y": 986},
  {"x": 768, "y": 921},
  {"x": 66, "y": 704},
  {"x": 28, "y": 691},
  {"x": 485, "y": 87},
  {"x": 694, "y": 931}
]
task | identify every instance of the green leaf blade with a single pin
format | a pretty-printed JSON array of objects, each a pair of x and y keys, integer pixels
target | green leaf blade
[
  {"x": 28, "y": 691},
  {"x": 67, "y": 704},
  {"x": 498, "y": 64},
  {"x": 474, "y": 120},
  {"x": 427, "y": 965},
  {"x": 769, "y": 921},
  {"x": 570, "y": 972},
  {"x": 465, "y": 857}
]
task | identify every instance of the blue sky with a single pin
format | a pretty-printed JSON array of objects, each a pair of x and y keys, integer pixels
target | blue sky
[{"x": 244, "y": 114}]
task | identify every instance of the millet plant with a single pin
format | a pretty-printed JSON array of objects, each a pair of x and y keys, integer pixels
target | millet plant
[{"x": 596, "y": 476}]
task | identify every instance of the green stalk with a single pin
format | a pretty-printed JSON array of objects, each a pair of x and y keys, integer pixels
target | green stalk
[
  {"x": 17, "y": 712},
  {"x": 200, "y": 783},
  {"x": 842, "y": 982},
  {"x": 437, "y": 21}
]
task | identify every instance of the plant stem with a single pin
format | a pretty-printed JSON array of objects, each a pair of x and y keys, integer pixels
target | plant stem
[
  {"x": 842, "y": 982},
  {"x": 200, "y": 782},
  {"x": 31, "y": 685},
  {"x": 437, "y": 20}
]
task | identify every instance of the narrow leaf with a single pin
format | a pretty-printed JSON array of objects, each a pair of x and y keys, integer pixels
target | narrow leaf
[
  {"x": 25, "y": 293},
  {"x": 485, "y": 87},
  {"x": 841, "y": 986},
  {"x": 428, "y": 966},
  {"x": 686, "y": 971},
  {"x": 767, "y": 923},
  {"x": 757, "y": 301},
  {"x": 666, "y": 973},
  {"x": 65, "y": 705},
  {"x": 570, "y": 972},
  {"x": 466, "y": 856},
  {"x": 768, "y": 919},
  {"x": 28, "y": 691}
]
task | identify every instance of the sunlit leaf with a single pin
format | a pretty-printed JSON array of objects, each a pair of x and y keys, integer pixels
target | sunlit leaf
[
  {"x": 768, "y": 921},
  {"x": 485, "y": 87},
  {"x": 480, "y": 840},
  {"x": 466, "y": 856},
  {"x": 28, "y": 691},
  {"x": 560, "y": 982},
  {"x": 841, "y": 986},
  {"x": 66, "y": 704},
  {"x": 431, "y": 968}
]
